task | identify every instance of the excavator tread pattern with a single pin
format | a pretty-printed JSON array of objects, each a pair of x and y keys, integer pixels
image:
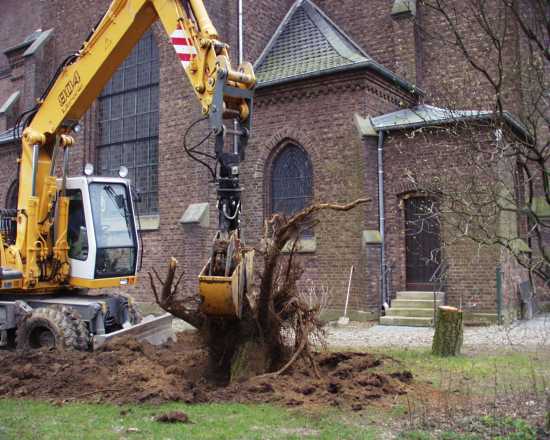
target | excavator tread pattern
[{"x": 70, "y": 332}]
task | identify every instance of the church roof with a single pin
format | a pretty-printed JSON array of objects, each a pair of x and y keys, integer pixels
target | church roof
[
  {"x": 308, "y": 44},
  {"x": 425, "y": 115}
]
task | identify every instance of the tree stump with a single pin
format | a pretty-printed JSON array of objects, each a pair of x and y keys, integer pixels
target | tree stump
[{"x": 449, "y": 331}]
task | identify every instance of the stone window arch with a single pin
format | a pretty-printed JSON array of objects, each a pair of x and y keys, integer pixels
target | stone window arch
[{"x": 291, "y": 180}]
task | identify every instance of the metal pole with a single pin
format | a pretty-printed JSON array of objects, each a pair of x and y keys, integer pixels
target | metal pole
[
  {"x": 349, "y": 289},
  {"x": 240, "y": 61},
  {"x": 381, "y": 216},
  {"x": 241, "y": 36}
]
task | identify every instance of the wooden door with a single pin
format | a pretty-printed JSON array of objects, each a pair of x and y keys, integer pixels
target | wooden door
[{"x": 422, "y": 241}]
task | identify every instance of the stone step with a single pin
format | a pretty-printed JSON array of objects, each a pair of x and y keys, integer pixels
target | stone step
[
  {"x": 411, "y": 311},
  {"x": 419, "y": 295},
  {"x": 415, "y": 303},
  {"x": 405, "y": 320}
]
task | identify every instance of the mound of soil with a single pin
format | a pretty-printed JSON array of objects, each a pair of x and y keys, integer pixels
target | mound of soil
[{"x": 127, "y": 371}]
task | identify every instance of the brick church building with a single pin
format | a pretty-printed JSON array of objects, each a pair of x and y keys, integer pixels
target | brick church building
[{"x": 342, "y": 86}]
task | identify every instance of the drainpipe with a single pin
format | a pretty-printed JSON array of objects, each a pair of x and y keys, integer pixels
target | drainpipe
[
  {"x": 240, "y": 61},
  {"x": 382, "y": 217},
  {"x": 241, "y": 43}
]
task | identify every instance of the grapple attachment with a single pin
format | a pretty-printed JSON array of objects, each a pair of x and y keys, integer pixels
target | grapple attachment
[{"x": 226, "y": 277}]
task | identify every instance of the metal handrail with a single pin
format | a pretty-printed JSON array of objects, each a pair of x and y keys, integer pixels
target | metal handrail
[
  {"x": 440, "y": 274},
  {"x": 387, "y": 285}
]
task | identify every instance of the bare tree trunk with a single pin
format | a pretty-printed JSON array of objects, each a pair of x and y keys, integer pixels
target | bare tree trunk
[{"x": 448, "y": 332}]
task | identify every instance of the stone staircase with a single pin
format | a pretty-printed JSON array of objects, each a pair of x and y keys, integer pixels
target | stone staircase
[{"x": 412, "y": 309}]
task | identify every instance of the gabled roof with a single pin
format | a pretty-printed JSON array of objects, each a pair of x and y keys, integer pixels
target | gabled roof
[{"x": 308, "y": 44}]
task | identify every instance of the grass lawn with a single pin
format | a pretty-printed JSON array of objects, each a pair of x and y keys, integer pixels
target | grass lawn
[
  {"x": 23, "y": 420},
  {"x": 466, "y": 378},
  {"x": 505, "y": 372}
]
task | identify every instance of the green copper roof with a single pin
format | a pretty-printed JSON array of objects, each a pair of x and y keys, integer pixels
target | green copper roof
[{"x": 307, "y": 43}]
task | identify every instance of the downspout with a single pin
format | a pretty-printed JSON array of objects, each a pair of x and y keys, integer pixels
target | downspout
[
  {"x": 241, "y": 43},
  {"x": 382, "y": 222},
  {"x": 240, "y": 58}
]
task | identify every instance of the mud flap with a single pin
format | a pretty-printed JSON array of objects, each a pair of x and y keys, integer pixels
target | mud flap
[{"x": 155, "y": 330}]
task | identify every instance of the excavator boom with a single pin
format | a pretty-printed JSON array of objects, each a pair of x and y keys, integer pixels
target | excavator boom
[{"x": 100, "y": 251}]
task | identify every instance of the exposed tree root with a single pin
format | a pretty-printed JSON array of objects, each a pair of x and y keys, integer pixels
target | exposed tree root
[
  {"x": 173, "y": 303},
  {"x": 278, "y": 325}
]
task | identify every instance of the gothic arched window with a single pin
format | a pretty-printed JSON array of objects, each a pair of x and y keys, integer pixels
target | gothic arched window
[
  {"x": 129, "y": 122},
  {"x": 291, "y": 180}
]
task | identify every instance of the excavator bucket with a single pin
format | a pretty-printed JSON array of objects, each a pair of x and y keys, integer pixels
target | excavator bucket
[{"x": 222, "y": 291}]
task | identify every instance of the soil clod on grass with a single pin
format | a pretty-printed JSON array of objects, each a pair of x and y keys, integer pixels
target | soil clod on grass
[
  {"x": 127, "y": 371},
  {"x": 173, "y": 417}
]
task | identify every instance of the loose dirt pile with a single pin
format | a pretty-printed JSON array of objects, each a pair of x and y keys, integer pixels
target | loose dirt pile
[{"x": 128, "y": 371}]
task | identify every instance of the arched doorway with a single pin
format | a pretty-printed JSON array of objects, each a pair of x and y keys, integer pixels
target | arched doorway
[{"x": 422, "y": 242}]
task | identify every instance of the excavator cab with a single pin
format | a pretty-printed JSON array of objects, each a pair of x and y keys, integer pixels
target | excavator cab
[{"x": 102, "y": 234}]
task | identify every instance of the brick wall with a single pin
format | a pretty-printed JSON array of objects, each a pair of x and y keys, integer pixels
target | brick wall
[
  {"x": 16, "y": 23},
  {"x": 318, "y": 115},
  {"x": 330, "y": 138},
  {"x": 441, "y": 157}
]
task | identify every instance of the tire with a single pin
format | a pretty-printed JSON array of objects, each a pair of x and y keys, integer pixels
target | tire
[{"x": 53, "y": 327}]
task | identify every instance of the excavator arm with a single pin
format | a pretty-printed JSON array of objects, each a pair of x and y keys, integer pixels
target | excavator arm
[{"x": 224, "y": 93}]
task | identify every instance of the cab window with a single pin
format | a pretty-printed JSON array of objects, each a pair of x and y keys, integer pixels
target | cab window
[{"x": 77, "y": 232}]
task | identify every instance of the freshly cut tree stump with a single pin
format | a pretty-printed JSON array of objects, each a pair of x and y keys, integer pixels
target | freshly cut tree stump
[{"x": 449, "y": 330}]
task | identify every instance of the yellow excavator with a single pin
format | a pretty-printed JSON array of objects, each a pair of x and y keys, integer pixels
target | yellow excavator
[{"x": 72, "y": 234}]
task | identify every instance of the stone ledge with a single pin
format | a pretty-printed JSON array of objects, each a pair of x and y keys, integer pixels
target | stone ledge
[
  {"x": 38, "y": 43},
  {"x": 196, "y": 214},
  {"x": 149, "y": 222},
  {"x": 10, "y": 102},
  {"x": 404, "y": 8},
  {"x": 370, "y": 237}
]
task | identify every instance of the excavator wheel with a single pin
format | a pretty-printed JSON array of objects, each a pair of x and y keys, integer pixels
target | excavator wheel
[{"x": 53, "y": 327}]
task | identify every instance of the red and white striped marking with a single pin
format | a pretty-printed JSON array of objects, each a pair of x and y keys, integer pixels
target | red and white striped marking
[{"x": 183, "y": 45}]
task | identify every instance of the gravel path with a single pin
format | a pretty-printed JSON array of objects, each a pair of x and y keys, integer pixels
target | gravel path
[{"x": 521, "y": 334}]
